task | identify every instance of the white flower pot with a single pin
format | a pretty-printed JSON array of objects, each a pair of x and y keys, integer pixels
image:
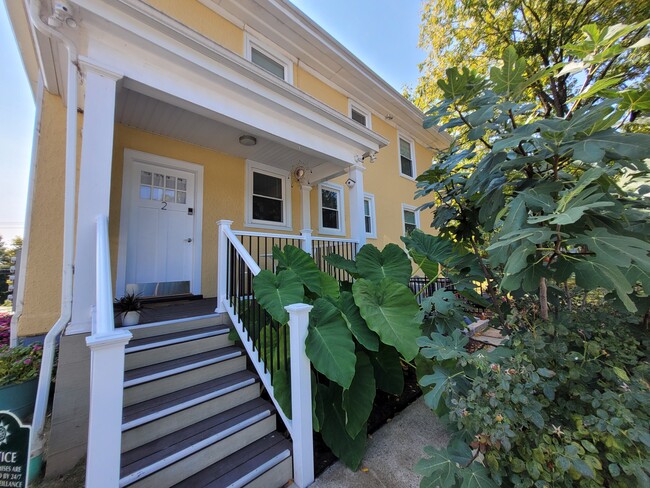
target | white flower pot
[{"x": 130, "y": 318}]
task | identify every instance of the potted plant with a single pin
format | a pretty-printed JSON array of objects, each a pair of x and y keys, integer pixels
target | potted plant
[
  {"x": 129, "y": 308},
  {"x": 19, "y": 368}
]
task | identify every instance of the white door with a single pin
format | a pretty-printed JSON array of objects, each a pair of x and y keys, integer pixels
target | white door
[{"x": 161, "y": 230}]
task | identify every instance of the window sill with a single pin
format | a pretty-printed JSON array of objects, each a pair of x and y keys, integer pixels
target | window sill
[{"x": 267, "y": 226}]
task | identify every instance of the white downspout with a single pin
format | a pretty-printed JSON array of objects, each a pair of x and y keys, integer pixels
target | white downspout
[{"x": 45, "y": 377}]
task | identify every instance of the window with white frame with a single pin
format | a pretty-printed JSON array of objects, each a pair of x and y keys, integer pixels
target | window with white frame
[
  {"x": 269, "y": 59},
  {"x": 359, "y": 114},
  {"x": 410, "y": 219},
  {"x": 268, "y": 201},
  {"x": 369, "y": 215},
  {"x": 406, "y": 159},
  {"x": 330, "y": 203}
]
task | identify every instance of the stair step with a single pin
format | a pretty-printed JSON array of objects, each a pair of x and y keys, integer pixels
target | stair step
[
  {"x": 248, "y": 464},
  {"x": 176, "y": 456},
  {"x": 162, "y": 415},
  {"x": 151, "y": 381},
  {"x": 141, "y": 331},
  {"x": 168, "y": 346}
]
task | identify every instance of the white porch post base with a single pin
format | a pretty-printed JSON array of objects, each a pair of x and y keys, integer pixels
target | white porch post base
[
  {"x": 105, "y": 422},
  {"x": 306, "y": 241},
  {"x": 301, "y": 408},
  {"x": 222, "y": 265}
]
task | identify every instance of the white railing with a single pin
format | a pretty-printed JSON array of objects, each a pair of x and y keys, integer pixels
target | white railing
[
  {"x": 106, "y": 376},
  {"x": 235, "y": 288}
]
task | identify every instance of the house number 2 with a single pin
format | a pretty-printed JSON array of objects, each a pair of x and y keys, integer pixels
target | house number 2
[{"x": 164, "y": 207}]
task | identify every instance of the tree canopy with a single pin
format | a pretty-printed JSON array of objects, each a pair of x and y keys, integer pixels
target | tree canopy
[{"x": 474, "y": 33}]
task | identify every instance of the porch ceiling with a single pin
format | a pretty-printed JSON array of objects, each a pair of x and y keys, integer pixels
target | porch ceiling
[{"x": 213, "y": 131}]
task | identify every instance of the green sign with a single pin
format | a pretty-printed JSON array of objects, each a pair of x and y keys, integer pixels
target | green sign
[{"x": 14, "y": 451}]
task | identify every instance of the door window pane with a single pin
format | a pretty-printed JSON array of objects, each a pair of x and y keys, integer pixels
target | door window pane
[
  {"x": 181, "y": 197},
  {"x": 158, "y": 180},
  {"x": 181, "y": 184},
  {"x": 170, "y": 182},
  {"x": 170, "y": 195},
  {"x": 145, "y": 177},
  {"x": 145, "y": 192}
]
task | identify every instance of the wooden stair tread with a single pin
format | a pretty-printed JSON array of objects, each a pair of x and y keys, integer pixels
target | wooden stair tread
[
  {"x": 174, "y": 364},
  {"x": 136, "y": 343},
  {"x": 238, "y": 464},
  {"x": 147, "y": 407},
  {"x": 168, "y": 445}
]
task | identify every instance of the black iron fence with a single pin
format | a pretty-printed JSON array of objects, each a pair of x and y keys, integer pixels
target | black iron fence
[{"x": 321, "y": 248}]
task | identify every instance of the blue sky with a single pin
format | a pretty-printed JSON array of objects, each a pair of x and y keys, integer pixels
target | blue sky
[{"x": 382, "y": 33}]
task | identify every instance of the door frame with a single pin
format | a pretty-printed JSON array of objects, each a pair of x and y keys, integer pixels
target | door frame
[{"x": 131, "y": 156}]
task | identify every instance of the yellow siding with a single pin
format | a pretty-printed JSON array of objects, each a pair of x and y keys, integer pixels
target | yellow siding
[
  {"x": 204, "y": 21},
  {"x": 42, "y": 299},
  {"x": 319, "y": 90}
]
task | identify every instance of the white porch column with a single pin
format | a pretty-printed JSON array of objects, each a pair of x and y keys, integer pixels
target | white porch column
[
  {"x": 305, "y": 217},
  {"x": 301, "y": 408},
  {"x": 94, "y": 185},
  {"x": 222, "y": 264},
  {"x": 357, "y": 216}
]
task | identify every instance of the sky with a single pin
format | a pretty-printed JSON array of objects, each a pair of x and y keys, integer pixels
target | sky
[{"x": 382, "y": 33}]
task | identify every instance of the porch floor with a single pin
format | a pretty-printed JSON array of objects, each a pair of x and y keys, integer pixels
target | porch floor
[{"x": 176, "y": 309}]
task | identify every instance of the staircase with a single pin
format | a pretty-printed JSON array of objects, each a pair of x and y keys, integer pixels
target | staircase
[{"x": 193, "y": 416}]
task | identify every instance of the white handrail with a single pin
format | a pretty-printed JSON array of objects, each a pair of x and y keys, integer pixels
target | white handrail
[
  {"x": 264, "y": 234},
  {"x": 333, "y": 239},
  {"x": 106, "y": 376}
]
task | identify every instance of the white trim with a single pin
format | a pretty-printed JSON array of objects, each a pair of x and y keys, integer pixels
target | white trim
[
  {"x": 176, "y": 340},
  {"x": 260, "y": 470},
  {"x": 267, "y": 48},
  {"x": 373, "y": 215},
  {"x": 360, "y": 109},
  {"x": 405, "y": 138},
  {"x": 338, "y": 189},
  {"x": 132, "y": 156},
  {"x": 413, "y": 209},
  {"x": 254, "y": 166}
]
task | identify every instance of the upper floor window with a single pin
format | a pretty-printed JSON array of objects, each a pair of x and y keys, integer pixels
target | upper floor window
[
  {"x": 268, "y": 202},
  {"x": 359, "y": 114},
  {"x": 406, "y": 159},
  {"x": 410, "y": 219},
  {"x": 330, "y": 202},
  {"x": 269, "y": 59}
]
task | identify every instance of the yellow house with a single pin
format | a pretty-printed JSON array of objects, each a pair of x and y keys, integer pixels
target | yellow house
[{"x": 204, "y": 132}]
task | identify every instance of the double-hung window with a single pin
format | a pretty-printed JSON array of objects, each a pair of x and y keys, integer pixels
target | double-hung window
[
  {"x": 369, "y": 215},
  {"x": 330, "y": 203},
  {"x": 268, "y": 199},
  {"x": 406, "y": 159},
  {"x": 410, "y": 219}
]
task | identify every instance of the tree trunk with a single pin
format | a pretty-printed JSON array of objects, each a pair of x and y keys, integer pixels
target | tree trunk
[{"x": 543, "y": 299}]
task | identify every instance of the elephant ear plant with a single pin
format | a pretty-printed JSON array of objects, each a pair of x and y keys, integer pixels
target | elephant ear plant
[{"x": 358, "y": 334}]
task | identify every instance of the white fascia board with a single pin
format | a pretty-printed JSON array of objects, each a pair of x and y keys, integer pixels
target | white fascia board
[
  {"x": 23, "y": 33},
  {"x": 178, "y": 40}
]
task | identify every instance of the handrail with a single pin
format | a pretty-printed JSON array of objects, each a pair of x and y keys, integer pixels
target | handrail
[
  {"x": 265, "y": 234},
  {"x": 333, "y": 239},
  {"x": 241, "y": 250},
  {"x": 106, "y": 375}
]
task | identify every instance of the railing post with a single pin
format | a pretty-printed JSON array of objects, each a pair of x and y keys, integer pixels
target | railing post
[
  {"x": 301, "y": 408},
  {"x": 307, "y": 241},
  {"x": 222, "y": 265}
]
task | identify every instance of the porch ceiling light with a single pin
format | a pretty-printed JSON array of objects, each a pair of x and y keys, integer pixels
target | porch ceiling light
[{"x": 247, "y": 140}]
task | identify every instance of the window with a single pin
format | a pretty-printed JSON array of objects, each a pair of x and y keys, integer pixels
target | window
[
  {"x": 410, "y": 219},
  {"x": 330, "y": 202},
  {"x": 268, "y": 201},
  {"x": 369, "y": 215},
  {"x": 269, "y": 59},
  {"x": 407, "y": 163},
  {"x": 359, "y": 114}
]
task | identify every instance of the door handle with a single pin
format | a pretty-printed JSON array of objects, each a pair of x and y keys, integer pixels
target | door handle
[{"x": 189, "y": 239}]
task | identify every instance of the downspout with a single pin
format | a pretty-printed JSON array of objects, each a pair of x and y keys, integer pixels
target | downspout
[
  {"x": 20, "y": 292},
  {"x": 49, "y": 345}
]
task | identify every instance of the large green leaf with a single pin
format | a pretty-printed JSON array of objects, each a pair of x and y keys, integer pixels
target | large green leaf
[
  {"x": 348, "y": 449},
  {"x": 592, "y": 274},
  {"x": 443, "y": 347},
  {"x": 356, "y": 324},
  {"x": 329, "y": 286},
  {"x": 439, "y": 470},
  {"x": 440, "y": 380},
  {"x": 507, "y": 78},
  {"x": 329, "y": 344},
  {"x": 615, "y": 249},
  {"x": 477, "y": 476},
  {"x": 430, "y": 269},
  {"x": 390, "y": 309},
  {"x": 620, "y": 145},
  {"x": 391, "y": 262},
  {"x": 274, "y": 292},
  {"x": 282, "y": 390},
  {"x": 342, "y": 263},
  {"x": 389, "y": 375},
  {"x": 302, "y": 264},
  {"x": 358, "y": 399}
]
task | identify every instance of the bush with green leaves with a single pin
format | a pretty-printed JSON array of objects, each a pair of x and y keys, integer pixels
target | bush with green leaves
[
  {"x": 563, "y": 403},
  {"x": 549, "y": 203},
  {"x": 358, "y": 334}
]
